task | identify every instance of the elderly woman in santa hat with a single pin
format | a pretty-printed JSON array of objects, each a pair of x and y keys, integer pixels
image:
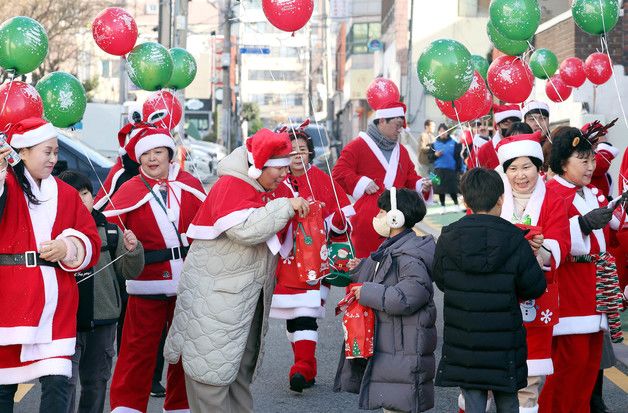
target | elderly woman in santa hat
[
  {"x": 158, "y": 205},
  {"x": 529, "y": 204},
  {"x": 227, "y": 284},
  {"x": 46, "y": 235},
  {"x": 587, "y": 282}
]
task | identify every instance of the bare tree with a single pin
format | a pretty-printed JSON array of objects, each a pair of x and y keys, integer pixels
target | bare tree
[{"x": 63, "y": 21}]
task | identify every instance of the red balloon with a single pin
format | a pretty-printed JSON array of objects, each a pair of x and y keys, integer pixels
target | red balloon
[
  {"x": 556, "y": 89},
  {"x": 468, "y": 105},
  {"x": 163, "y": 109},
  {"x": 572, "y": 72},
  {"x": 380, "y": 92},
  {"x": 598, "y": 68},
  {"x": 487, "y": 104},
  {"x": 288, "y": 15},
  {"x": 18, "y": 101},
  {"x": 510, "y": 79},
  {"x": 115, "y": 31}
]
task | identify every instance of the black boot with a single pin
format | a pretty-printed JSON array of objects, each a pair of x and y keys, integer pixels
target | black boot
[{"x": 597, "y": 401}]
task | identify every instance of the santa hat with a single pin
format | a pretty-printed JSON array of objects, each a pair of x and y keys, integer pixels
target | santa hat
[
  {"x": 30, "y": 132},
  {"x": 502, "y": 112},
  {"x": 130, "y": 130},
  {"x": 392, "y": 110},
  {"x": 267, "y": 148},
  {"x": 147, "y": 139},
  {"x": 520, "y": 145},
  {"x": 534, "y": 106}
]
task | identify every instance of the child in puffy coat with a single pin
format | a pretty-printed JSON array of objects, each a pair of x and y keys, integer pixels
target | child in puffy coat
[{"x": 396, "y": 283}]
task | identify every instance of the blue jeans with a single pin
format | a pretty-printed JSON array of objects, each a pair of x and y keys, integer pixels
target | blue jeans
[
  {"x": 54, "y": 395},
  {"x": 475, "y": 401}
]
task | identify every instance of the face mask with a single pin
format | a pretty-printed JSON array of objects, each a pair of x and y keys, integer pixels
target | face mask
[{"x": 381, "y": 226}]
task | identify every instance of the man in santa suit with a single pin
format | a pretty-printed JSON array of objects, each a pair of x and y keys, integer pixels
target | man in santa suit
[
  {"x": 504, "y": 116},
  {"x": 46, "y": 236},
  {"x": 480, "y": 138},
  {"x": 158, "y": 205},
  {"x": 371, "y": 163}
]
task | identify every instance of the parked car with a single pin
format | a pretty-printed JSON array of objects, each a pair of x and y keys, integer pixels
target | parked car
[
  {"x": 202, "y": 158},
  {"x": 76, "y": 155},
  {"x": 322, "y": 147}
]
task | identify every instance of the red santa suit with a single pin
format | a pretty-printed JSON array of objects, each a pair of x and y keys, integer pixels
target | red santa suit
[
  {"x": 577, "y": 345},
  {"x": 620, "y": 244},
  {"x": 477, "y": 143},
  {"x": 301, "y": 306},
  {"x": 362, "y": 162},
  {"x": 38, "y": 302},
  {"x": 604, "y": 155},
  {"x": 487, "y": 154},
  {"x": 152, "y": 296}
]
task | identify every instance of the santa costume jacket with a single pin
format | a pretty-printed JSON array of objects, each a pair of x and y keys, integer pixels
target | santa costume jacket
[
  {"x": 604, "y": 155},
  {"x": 576, "y": 281},
  {"x": 38, "y": 304},
  {"x": 487, "y": 155},
  {"x": 548, "y": 211},
  {"x": 137, "y": 209},
  {"x": 288, "y": 302},
  {"x": 360, "y": 163}
]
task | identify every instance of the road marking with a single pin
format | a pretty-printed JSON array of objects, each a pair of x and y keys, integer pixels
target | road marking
[
  {"x": 616, "y": 376},
  {"x": 22, "y": 389}
]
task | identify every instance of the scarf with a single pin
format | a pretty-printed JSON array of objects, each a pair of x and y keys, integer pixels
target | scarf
[
  {"x": 380, "y": 140},
  {"x": 520, "y": 201}
]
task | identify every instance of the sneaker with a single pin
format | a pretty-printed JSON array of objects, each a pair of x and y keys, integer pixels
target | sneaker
[
  {"x": 461, "y": 208},
  {"x": 298, "y": 383},
  {"x": 157, "y": 390},
  {"x": 443, "y": 210}
]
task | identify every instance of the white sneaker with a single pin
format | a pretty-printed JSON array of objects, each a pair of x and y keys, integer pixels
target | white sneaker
[
  {"x": 443, "y": 210},
  {"x": 462, "y": 208}
]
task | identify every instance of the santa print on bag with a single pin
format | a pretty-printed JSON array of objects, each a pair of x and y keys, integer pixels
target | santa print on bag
[{"x": 358, "y": 324}]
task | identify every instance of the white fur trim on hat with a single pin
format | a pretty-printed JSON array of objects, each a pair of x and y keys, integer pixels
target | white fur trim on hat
[
  {"x": 534, "y": 105},
  {"x": 389, "y": 113},
  {"x": 285, "y": 161},
  {"x": 516, "y": 149},
  {"x": 34, "y": 136},
  {"x": 151, "y": 142},
  {"x": 500, "y": 116},
  {"x": 253, "y": 172}
]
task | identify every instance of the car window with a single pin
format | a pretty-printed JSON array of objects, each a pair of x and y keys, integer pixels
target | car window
[
  {"x": 67, "y": 155},
  {"x": 318, "y": 135},
  {"x": 85, "y": 150}
]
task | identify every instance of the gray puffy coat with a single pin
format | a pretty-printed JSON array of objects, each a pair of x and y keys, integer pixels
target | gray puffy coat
[
  {"x": 400, "y": 374},
  {"x": 220, "y": 286}
]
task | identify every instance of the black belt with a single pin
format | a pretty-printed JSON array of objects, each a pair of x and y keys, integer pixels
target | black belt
[
  {"x": 29, "y": 259},
  {"x": 152, "y": 257}
]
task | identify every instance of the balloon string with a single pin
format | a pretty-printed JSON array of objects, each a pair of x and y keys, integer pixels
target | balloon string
[
  {"x": 103, "y": 268},
  {"x": 621, "y": 103},
  {"x": 102, "y": 186},
  {"x": 546, "y": 132},
  {"x": 462, "y": 129},
  {"x": 6, "y": 99}
]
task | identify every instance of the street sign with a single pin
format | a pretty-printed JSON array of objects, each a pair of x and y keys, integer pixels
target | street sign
[{"x": 255, "y": 50}]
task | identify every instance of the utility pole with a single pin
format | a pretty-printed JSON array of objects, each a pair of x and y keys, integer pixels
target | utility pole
[
  {"x": 164, "y": 33},
  {"x": 226, "y": 79},
  {"x": 328, "y": 71}
]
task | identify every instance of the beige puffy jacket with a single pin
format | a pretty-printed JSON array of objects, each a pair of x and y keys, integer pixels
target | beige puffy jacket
[{"x": 220, "y": 287}]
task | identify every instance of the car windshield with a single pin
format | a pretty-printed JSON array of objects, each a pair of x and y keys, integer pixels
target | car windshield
[{"x": 83, "y": 148}]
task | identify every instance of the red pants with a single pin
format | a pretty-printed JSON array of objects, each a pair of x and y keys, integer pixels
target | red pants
[
  {"x": 132, "y": 378},
  {"x": 576, "y": 364}
]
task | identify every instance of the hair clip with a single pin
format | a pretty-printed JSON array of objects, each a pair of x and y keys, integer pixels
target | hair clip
[{"x": 575, "y": 141}]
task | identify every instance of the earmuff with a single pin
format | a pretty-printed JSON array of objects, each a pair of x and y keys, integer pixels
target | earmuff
[{"x": 394, "y": 217}]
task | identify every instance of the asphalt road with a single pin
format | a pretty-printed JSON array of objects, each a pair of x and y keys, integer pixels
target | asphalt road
[{"x": 271, "y": 393}]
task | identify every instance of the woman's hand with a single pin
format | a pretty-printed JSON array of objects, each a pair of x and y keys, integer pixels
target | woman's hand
[
  {"x": 426, "y": 185},
  {"x": 438, "y": 154},
  {"x": 353, "y": 263},
  {"x": 300, "y": 206},
  {"x": 130, "y": 240},
  {"x": 4, "y": 152},
  {"x": 371, "y": 188},
  {"x": 536, "y": 242},
  {"x": 356, "y": 291},
  {"x": 54, "y": 250}
]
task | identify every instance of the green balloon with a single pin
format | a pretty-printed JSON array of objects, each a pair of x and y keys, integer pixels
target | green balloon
[
  {"x": 595, "y": 16},
  {"x": 445, "y": 69},
  {"x": 543, "y": 63},
  {"x": 63, "y": 97},
  {"x": 503, "y": 44},
  {"x": 515, "y": 19},
  {"x": 480, "y": 64},
  {"x": 23, "y": 44},
  {"x": 149, "y": 66},
  {"x": 184, "y": 70}
]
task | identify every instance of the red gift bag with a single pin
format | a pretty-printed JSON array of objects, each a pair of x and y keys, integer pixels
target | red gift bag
[
  {"x": 358, "y": 324},
  {"x": 530, "y": 230},
  {"x": 309, "y": 261}
]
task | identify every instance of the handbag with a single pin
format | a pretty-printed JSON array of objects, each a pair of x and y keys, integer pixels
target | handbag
[
  {"x": 358, "y": 324},
  {"x": 340, "y": 252}
]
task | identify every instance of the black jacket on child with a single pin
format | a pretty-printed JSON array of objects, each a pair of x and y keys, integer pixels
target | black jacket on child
[{"x": 484, "y": 266}]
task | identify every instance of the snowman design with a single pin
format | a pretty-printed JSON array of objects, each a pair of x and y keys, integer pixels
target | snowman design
[
  {"x": 528, "y": 310},
  {"x": 324, "y": 253}
]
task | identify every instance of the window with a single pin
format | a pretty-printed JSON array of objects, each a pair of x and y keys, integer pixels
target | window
[
  {"x": 279, "y": 75},
  {"x": 359, "y": 36},
  {"x": 105, "y": 68},
  {"x": 152, "y": 8}
]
